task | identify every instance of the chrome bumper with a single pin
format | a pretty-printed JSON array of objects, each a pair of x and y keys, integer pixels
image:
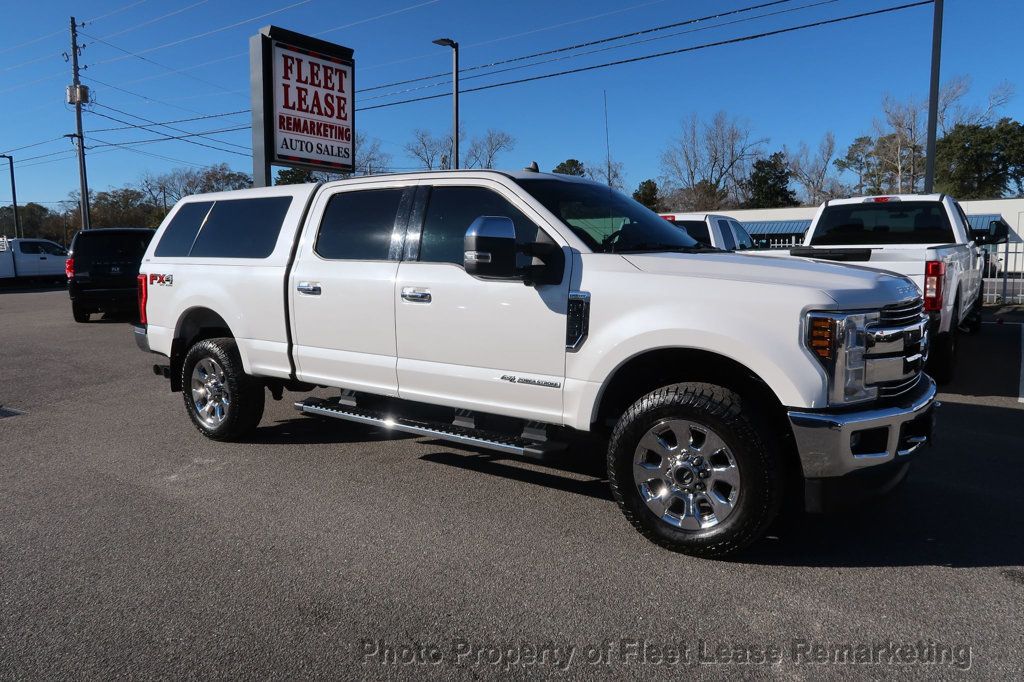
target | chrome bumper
[{"x": 836, "y": 443}]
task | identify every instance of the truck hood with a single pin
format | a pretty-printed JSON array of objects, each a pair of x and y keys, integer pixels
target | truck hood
[{"x": 848, "y": 285}]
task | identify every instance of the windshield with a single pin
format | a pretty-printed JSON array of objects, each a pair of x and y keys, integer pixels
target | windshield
[
  {"x": 698, "y": 229},
  {"x": 607, "y": 221},
  {"x": 893, "y": 222},
  {"x": 111, "y": 246}
]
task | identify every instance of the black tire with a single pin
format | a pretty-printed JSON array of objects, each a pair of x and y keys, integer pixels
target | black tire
[
  {"x": 246, "y": 394},
  {"x": 942, "y": 357},
  {"x": 80, "y": 314},
  {"x": 761, "y": 478}
]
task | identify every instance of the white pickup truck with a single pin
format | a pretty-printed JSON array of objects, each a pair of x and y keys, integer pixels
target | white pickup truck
[
  {"x": 713, "y": 229},
  {"x": 513, "y": 311},
  {"x": 925, "y": 237},
  {"x": 27, "y": 259}
]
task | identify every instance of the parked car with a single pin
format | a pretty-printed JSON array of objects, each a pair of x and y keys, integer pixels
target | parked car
[
  {"x": 925, "y": 237},
  {"x": 102, "y": 270},
  {"x": 712, "y": 229},
  {"x": 31, "y": 259},
  {"x": 515, "y": 311}
]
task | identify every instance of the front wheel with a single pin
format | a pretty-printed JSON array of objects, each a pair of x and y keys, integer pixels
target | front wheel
[
  {"x": 222, "y": 400},
  {"x": 690, "y": 471}
]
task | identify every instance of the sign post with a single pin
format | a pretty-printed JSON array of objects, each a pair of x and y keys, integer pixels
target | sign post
[{"x": 303, "y": 105}]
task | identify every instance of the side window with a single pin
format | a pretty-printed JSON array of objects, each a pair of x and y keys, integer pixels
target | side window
[
  {"x": 30, "y": 248},
  {"x": 450, "y": 212},
  {"x": 181, "y": 232},
  {"x": 358, "y": 225},
  {"x": 728, "y": 243},
  {"x": 241, "y": 228},
  {"x": 743, "y": 240},
  {"x": 52, "y": 249}
]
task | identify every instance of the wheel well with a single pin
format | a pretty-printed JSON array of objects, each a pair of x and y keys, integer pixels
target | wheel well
[
  {"x": 194, "y": 326},
  {"x": 651, "y": 370}
]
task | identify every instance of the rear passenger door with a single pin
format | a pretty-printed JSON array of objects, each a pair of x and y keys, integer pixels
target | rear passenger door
[
  {"x": 29, "y": 258},
  {"x": 342, "y": 287}
]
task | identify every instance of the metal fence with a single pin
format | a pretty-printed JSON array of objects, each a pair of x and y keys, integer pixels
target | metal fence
[
  {"x": 780, "y": 242},
  {"x": 1004, "y": 273}
]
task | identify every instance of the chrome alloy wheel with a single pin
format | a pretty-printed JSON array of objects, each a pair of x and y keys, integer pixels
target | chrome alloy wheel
[
  {"x": 686, "y": 474},
  {"x": 211, "y": 398}
]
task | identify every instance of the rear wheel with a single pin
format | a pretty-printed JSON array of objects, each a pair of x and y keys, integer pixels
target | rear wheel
[
  {"x": 690, "y": 471},
  {"x": 80, "y": 314},
  {"x": 942, "y": 359},
  {"x": 222, "y": 400}
]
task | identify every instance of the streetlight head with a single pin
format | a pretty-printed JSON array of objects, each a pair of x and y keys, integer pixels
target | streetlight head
[{"x": 445, "y": 42}]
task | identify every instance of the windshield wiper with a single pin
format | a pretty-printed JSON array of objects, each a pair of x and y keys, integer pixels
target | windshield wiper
[{"x": 644, "y": 247}]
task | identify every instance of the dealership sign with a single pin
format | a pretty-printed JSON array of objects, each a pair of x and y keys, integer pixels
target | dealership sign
[{"x": 302, "y": 102}]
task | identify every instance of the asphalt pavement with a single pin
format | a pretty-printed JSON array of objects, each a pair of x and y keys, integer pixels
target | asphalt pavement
[{"x": 130, "y": 546}]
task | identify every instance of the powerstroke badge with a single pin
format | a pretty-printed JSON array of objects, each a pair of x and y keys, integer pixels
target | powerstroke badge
[{"x": 513, "y": 379}]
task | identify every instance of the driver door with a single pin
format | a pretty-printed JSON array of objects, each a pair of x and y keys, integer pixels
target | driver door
[{"x": 487, "y": 345}]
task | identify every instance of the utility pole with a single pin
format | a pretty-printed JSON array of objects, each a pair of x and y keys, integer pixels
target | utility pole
[
  {"x": 14, "y": 195},
  {"x": 78, "y": 95},
  {"x": 607, "y": 144},
  {"x": 933, "y": 98},
  {"x": 448, "y": 42}
]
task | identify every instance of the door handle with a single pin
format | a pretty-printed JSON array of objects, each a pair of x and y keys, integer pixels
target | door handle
[
  {"x": 308, "y": 288},
  {"x": 416, "y": 295}
]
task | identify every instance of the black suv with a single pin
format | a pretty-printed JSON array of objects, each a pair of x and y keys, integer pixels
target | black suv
[{"x": 102, "y": 270}]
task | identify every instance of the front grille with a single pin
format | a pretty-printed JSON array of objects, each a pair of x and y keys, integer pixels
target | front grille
[
  {"x": 897, "y": 349},
  {"x": 901, "y": 314},
  {"x": 893, "y": 390}
]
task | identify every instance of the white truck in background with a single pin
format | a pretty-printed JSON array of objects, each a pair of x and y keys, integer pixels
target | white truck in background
[
  {"x": 31, "y": 259},
  {"x": 713, "y": 229},
  {"x": 924, "y": 237},
  {"x": 515, "y": 311}
]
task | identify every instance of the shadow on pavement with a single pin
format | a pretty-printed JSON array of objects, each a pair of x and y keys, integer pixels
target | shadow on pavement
[{"x": 305, "y": 430}]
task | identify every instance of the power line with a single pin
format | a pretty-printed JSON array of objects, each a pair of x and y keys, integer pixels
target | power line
[
  {"x": 154, "y": 124},
  {"x": 167, "y": 138},
  {"x": 206, "y": 33},
  {"x": 34, "y": 144},
  {"x": 144, "y": 97},
  {"x": 152, "y": 21},
  {"x": 246, "y": 52},
  {"x": 667, "y": 53},
  {"x": 511, "y": 36},
  {"x": 151, "y": 61},
  {"x": 111, "y": 146},
  {"x": 61, "y": 31},
  {"x": 165, "y": 123},
  {"x": 577, "y": 46},
  {"x": 603, "y": 49}
]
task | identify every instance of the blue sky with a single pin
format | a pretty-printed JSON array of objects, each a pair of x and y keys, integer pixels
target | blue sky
[{"x": 789, "y": 88}]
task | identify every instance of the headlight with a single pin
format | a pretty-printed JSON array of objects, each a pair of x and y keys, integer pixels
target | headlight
[{"x": 838, "y": 341}]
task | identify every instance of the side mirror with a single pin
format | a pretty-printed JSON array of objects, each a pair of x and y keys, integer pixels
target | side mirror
[
  {"x": 490, "y": 248},
  {"x": 997, "y": 233}
]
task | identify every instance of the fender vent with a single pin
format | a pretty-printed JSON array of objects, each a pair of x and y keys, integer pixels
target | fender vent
[{"x": 577, "y": 320}]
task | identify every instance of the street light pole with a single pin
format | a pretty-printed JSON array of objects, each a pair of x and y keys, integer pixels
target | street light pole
[
  {"x": 448, "y": 42},
  {"x": 933, "y": 99},
  {"x": 14, "y": 194}
]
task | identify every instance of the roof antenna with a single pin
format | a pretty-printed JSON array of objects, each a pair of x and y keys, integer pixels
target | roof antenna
[{"x": 532, "y": 168}]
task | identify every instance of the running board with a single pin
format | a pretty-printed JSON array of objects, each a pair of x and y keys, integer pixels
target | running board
[{"x": 512, "y": 445}]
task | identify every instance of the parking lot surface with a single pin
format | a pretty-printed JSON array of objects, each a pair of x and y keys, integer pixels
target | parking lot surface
[{"x": 132, "y": 546}]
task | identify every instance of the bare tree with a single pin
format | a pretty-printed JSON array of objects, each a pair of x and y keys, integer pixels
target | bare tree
[
  {"x": 370, "y": 158},
  {"x": 710, "y": 159},
  {"x": 812, "y": 170},
  {"x": 953, "y": 111},
  {"x": 483, "y": 151},
  {"x": 427, "y": 149},
  {"x": 606, "y": 172}
]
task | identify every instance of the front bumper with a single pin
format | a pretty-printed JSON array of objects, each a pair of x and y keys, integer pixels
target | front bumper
[{"x": 833, "y": 444}]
